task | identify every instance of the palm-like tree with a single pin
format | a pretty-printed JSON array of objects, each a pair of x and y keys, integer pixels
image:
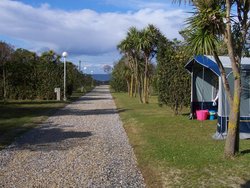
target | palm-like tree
[
  {"x": 128, "y": 46},
  {"x": 134, "y": 37},
  {"x": 148, "y": 45},
  {"x": 212, "y": 20},
  {"x": 125, "y": 47},
  {"x": 140, "y": 47}
]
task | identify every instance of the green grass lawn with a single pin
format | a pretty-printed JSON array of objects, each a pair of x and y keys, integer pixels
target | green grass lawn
[
  {"x": 17, "y": 117},
  {"x": 173, "y": 151}
]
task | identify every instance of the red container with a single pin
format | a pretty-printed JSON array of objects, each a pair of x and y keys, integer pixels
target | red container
[{"x": 202, "y": 114}]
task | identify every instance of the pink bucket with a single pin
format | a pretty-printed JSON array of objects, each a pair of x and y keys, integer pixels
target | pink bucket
[{"x": 202, "y": 114}]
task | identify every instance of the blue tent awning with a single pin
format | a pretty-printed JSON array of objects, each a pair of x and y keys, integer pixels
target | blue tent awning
[{"x": 203, "y": 61}]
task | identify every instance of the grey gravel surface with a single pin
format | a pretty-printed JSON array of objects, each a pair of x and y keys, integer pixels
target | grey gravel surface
[{"x": 82, "y": 145}]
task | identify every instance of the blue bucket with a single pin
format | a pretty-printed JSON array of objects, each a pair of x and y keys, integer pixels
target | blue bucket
[{"x": 212, "y": 114}]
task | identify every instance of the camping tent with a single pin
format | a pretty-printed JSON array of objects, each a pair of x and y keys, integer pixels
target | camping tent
[{"x": 207, "y": 86}]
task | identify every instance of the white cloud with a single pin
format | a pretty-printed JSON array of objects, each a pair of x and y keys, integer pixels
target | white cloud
[{"x": 83, "y": 32}]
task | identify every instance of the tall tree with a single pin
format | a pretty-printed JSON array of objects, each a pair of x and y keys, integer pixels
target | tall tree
[
  {"x": 51, "y": 74},
  {"x": 148, "y": 47},
  {"x": 129, "y": 47},
  {"x": 172, "y": 79},
  {"x": 140, "y": 46},
  {"x": 6, "y": 51},
  {"x": 23, "y": 75},
  {"x": 226, "y": 19}
]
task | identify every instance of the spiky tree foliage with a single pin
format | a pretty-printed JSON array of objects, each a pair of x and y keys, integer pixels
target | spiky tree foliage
[
  {"x": 148, "y": 47},
  {"x": 205, "y": 26},
  {"x": 226, "y": 19},
  {"x": 129, "y": 48},
  {"x": 140, "y": 46}
]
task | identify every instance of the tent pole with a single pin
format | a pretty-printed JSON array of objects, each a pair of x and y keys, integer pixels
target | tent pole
[
  {"x": 192, "y": 82},
  {"x": 202, "y": 93},
  {"x": 220, "y": 102},
  {"x": 225, "y": 95}
]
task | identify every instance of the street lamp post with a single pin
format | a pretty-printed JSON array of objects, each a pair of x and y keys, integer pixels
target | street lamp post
[
  {"x": 64, "y": 54},
  {"x": 84, "y": 69},
  {"x": 80, "y": 63}
]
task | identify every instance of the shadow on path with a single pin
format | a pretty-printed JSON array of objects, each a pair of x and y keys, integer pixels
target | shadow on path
[
  {"x": 87, "y": 98},
  {"x": 51, "y": 136},
  {"x": 77, "y": 112},
  {"x": 245, "y": 185},
  {"x": 48, "y": 138}
]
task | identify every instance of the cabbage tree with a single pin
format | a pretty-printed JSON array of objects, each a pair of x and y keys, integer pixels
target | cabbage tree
[{"x": 227, "y": 20}]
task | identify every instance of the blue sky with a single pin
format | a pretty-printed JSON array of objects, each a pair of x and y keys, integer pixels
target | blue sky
[
  {"x": 103, "y": 5},
  {"x": 88, "y": 30}
]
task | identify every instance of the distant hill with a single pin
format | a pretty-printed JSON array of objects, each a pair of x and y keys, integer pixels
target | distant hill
[{"x": 101, "y": 77}]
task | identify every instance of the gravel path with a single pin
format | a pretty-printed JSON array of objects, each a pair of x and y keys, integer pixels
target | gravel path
[{"x": 82, "y": 145}]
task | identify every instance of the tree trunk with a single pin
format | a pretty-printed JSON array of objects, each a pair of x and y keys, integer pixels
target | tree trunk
[
  {"x": 232, "y": 141},
  {"x": 135, "y": 87},
  {"x": 4, "y": 83},
  {"x": 136, "y": 78},
  {"x": 148, "y": 88},
  {"x": 140, "y": 90},
  {"x": 176, "y": 107},
  {"x": 131, "y": 86},
  {"x": 128, "y": 86},
  {"x": 145, "y": 83},
  {"x": 224, "y": 78},
  {"x": 145, "y": 100}
]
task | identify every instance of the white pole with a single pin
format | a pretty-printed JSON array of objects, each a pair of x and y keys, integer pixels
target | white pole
[
  {"x": 64, "y": 82},
  {"x": 64, "y": 54},
  {"x": 203, "y": 75}
]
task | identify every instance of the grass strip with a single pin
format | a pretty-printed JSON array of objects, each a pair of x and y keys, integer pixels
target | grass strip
[{"x": 173, "y": 151}]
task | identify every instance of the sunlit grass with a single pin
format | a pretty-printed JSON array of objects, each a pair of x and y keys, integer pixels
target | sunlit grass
[{"x": 174, "y": 151}]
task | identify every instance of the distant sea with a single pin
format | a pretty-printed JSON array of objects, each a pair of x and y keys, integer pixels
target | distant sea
[{"x": 101, "y": 77}]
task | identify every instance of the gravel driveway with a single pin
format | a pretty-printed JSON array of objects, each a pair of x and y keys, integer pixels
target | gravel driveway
[{"x": 82, "y": 145}]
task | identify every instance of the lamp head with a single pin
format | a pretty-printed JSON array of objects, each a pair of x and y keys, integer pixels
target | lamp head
[{"x": 64, "y": 54}]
